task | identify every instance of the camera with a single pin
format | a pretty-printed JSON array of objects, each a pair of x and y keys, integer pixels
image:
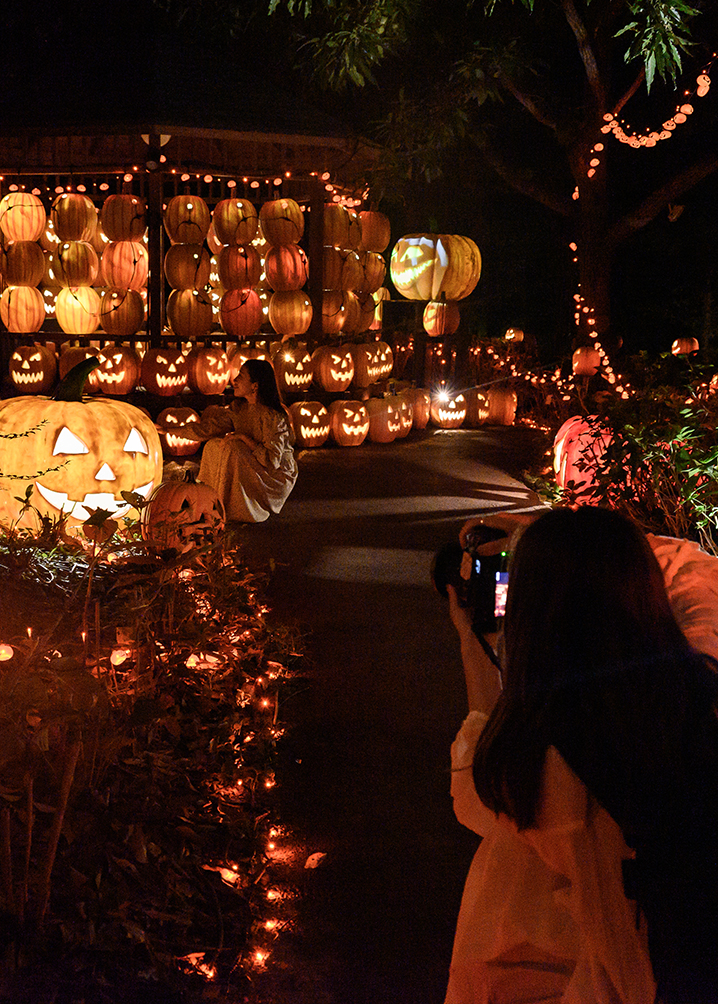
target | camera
[{"x": 481, "y": 581}]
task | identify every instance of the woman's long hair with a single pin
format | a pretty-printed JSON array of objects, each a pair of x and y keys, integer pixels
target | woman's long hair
[
  {"x": 596, "y": 665},
  {"x": 261, "y": 372}
]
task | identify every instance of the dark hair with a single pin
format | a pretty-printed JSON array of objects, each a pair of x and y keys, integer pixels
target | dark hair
[
  {"x": 261, "y": 372},
  {"x": 595, "y": 664}
]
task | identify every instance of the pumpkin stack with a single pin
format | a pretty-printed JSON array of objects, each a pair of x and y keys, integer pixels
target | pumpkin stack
[
  {"x": 74, "y": 263},
  {"x": 22, "y": 222},
  {"x": 124, "y": 265},
  {"x": 239, "y": 267},
  {"x": 342, "y": 272},
  {"x": 375, "y": 236},
  {"x": 189, "y": 309},
  {"x": 286, "y": 268}
]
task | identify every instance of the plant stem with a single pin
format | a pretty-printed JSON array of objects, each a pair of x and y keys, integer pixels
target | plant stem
[{"x": 66, "y": 784}]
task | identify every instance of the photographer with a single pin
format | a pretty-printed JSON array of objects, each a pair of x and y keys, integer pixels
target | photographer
[{"x": 603, "y": 741}]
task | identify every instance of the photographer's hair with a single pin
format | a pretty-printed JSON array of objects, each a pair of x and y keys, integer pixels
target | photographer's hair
[
  {"x": 595, "y": 664},
  {"x": 261, "y": 372}
]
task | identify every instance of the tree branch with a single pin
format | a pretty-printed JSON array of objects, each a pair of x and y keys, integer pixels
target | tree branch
[
  {"x": 627, "y": 95},
  {"x": 658, "y": 200},
  {"x": 586, "y": 52},
  {"x": 523, "y": 182},
  {"x": 528, "y": 103}
]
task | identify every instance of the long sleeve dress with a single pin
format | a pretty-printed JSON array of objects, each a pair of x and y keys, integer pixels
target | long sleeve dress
[
  {"x": 543, "y": 915},
  {"x": 252, "y": 483}
]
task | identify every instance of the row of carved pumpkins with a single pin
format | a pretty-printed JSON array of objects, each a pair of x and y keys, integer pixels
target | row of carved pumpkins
[{"x": 205, "y": 369}]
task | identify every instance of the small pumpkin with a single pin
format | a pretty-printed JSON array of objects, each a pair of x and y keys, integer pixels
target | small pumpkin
[
  {"x": 585, "y": 361},
  {"x": 441, "y": 318},
  {"x": 513, "y": 335},
  {"x": 173, "y": 442},
  {"x": 448, "y": 411},
  {"x": 33, "y": 368},
  {"x": 310, "y": 420},
  {"x": 405, "y": 408},
  {"x": 183, "y": 515},
  {"x": 435, "y": 266},
  {"x": 333, "y": 367},
  {"x": 348, "y": 422},
  {"x": 164, "y": 371}
]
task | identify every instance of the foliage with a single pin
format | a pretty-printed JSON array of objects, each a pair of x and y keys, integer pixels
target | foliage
[{"x": 138, "y": 727}]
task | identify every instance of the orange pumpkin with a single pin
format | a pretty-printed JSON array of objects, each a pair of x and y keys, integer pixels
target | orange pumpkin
[
  {"x": 366, "y": 366},
  {"x": 119, "y": 370},
  {"x": 33, "y": 368},
  {"x": 340, "y": 312},
  {"x": 513, "y": 335},
  {"x": 293, "y": 368},
  {"x": 420, "y": 401},
  {"x": 685, "y": 346},
  {"x": 187, "y": 219},
  {"x": 435, "y": 266},
  {"x": 384, "y": 419},
  {"x": 189, "y": 313},
  {"x": 123, "y": 217},
  {"x": 333, "y": 367},
  {"x": 125, "y": 265},
  {"x": 477, "y": 406},
  {"x": 375, "y": 231},
  {"x": 383, "y": 359},
  {"x": 239, "y": 266},
  {"x": 405, "y": 409},
  {"x": 182, "y": 515},
  {"x": 187, "y": 266},
  {"x": 502, "y": 406},
  {"x": 290, "y": 312},
  {"x": 336, "y": 225},
  {"x": 282, "y": 221},
  {"x": 173, "y": 442},
  {"x": 310, "y": 420},
  {"x": 122, "y": 312},
  {"x": 235, "y": 221},
  {"x": 22, "y": 216},
  {"x": 585, "y": 361},
  {"x": 24, "y": 264},
  {"x": 579, "y": 445},
  {"x": 287, "y": 267},
  {"x": 74, "y": 263},
  {"x": 77, "y": 309},
  {"x": 448, "y": 411},
  {"x": 374, "y": 272},
  {"x": 164, "y": 371},
  {"x": 441, "y": 318},
  {"x": 74, "y": 217},
  {"x": 341, "y": 269},
  {"x": 348, "y": 422},
  {"x": 240, "y": 312},
  {"x": 208, "y": 369}
]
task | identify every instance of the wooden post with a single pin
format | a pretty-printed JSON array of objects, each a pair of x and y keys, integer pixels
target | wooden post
[
  {"x": 155, "y": 230},
  {"x": 315, "y": 251}
]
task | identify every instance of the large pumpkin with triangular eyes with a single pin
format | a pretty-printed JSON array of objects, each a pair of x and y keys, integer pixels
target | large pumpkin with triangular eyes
[
  {"x": 432, "y": 266},
  {"x": 348, "y": 422},
  {"x": 310, "y": 420},
  {"x": 81, "y": 455},
  {"x": 164, "y": 371}
]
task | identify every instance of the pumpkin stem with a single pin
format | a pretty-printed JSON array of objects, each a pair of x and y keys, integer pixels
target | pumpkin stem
[
  {"x": 189, "y": 477},
  {"x": 72, "y": 385}
]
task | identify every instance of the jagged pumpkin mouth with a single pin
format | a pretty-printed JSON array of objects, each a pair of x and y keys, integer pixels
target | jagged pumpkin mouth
[{"x": 94, "y": 500}]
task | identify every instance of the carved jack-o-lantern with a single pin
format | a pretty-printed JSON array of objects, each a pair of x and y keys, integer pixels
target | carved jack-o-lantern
[
  {"x": 293, "y": 368},
  {"x": 513, "y": 335},
  {"x": 383, "y": 359},
  {"x": 579, "y": 445},
  {"x": 89, "y": 452},
  {"x": 435, "y": 266},
  {"x": 240, "y": 312},
  {"x": 183, "y": 515},
  {"x": 447, "y": 411},
  {"x": 173, "y": 442},
  {"x": 282, "y": 222},
  {"x": 187, "y": 219},
  {"x": 119, "y": 370},
  {"x": 685, "y": 346},
  {"x": 333, "y": 367},
  {"x": 122, "y": 312},
  {"x": 477, "y": 407},
  {"x": 241, "y": 353},
  {"x": 370, "y": 362},
  {"x": 310, "y": 420},
  {"x": 235, "y": 221},
  {"x": 405, "y": 408},
  {"x": 384, "y": 419},
  {"x": 33, "y": 368},
  {"x": 22, "y": 216},
  {"x": 208, "y": 369},
  {"x": 290, "y": 312},
  {"x": 420, "y": 400},
  {"x": 164, "y": 371},
  {"x": 348, "y": 422}
]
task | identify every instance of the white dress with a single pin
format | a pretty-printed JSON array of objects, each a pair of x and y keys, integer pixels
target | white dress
[{"x": 252, "y": 484}]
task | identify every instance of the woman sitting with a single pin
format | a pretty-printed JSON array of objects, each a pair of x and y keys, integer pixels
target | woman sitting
[{"x": 248, "y": 459}]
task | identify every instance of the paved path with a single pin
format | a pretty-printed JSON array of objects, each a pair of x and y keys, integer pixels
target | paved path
[{"x": 366, "y": 762}]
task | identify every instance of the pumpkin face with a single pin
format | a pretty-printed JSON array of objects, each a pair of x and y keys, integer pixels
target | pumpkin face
[
  {"x": 406, "y": 415},
  {"x": 586, "y": 361},
  {"x": 311, "y": 423},
  {"x": 164, "y": 371},
  {"x": 383, "y": 359},
  {"x": 348, "y": 422},
  {"x": 183, "y": 515},
  {"x": 187, "y": 266},
  {"x": 187, "y": 219},
  {"x": 173, "y": 442},
  {"x": 282, "y": 221},
  {"x": 290, "y": 312},
  {"x": 421, "y": 405},
  {"x": 293, "y": 369},
  {"x": 106, "y": 447},
  {"x": 502, "y": 406},
  {"x": 578, "y": 447},
  {"x": 235, "y": 221},
  {"x": 684, "y": 346},
  {"x": 513, "y": 335},
  {"x": 435, "y": 266},
  {"x": 448, "y": 412},
  {"x": 368, "y": 366},
  {"x": 208, "y": 369},
  {"x": 33, "y": 368},
  {"x": 22, "y": 216},
  {"x": 333, "y": 367},
  {"x": 122, "y": 312},
  {"x": 441, "y": 318},
  {"x": 123, "y": 217},
  {"x": 119, "y": 370},
  {"x": 384, "y": 419},
  {"x": 477, "y": 407}
]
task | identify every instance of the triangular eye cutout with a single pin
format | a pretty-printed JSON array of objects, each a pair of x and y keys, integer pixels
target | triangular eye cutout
[
  {"x": 68, "y": 442},
  {"x": 135, "y": 443}
]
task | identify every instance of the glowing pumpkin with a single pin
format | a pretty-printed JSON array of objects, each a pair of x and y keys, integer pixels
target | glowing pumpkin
[
  {"x": 282, "y": 222},
  {"x": 477, "y": 406},
  {"x": 123, "y": 217},
  {"x": 125, "y": 265},
  {"x": 310, "y": 420},
  {"x": 502, "y": 406},
  {"x": 242, "y": 353},
  {"x": 77, "y": 309},
  {"x": 74, "y": 263},
  {"x": 579, "y": 445},
  {"x": 235, "y": 221},
  {"x": 187, "y": 266},
  {"x": 240, "y": 312},
  {"x": 348, "y": 422},
  {"x": 447, "y": 411},
  {"x": 74, "y": 217},
  {"x": 290, "y": 312},
  {"x": 513, "y": 335},
  {"x": 183, "y": 515},
  {"x": 340, "y": 312},
  {"x": 122, "y": 312},
  {"x": 189, "y": 313},
  {"x": 287, "y": 267},
  {"x": 685, "y": 346},
  {"x": 173, "y": 442},
  {"x": 22, "y": 309},
  {"x": 435, "y": 266},
  {"x": 119, "y": 370},
  {"x": 22, "y": 216},
  {"x": 187, "y": 219},
  {"x": 341, "y": 269},
  {"x": 333, "y": 367},
  {"x": 24, "y": 264},
  {"x": 33, "y": 368},
  {"x": 384, "y": 419},
  {"x": 405, "y": 409},
  {"x": 375, "y": 231},
  {"x": 373, "y": 269},
  {"x": 420, "y": 401},
  {"x": 81, "y": 456},
  {"x": 239, "y": 266},
  {"x": 441, "y": 318},
  {"x": 208, "y": 369},
  {"x": 336, "y": 225},
  {"x": 164, "y": 371},
  {"x": 585, "y": 361},
  {"x": 293, "y": 368},
  {"x": 383, "y": 359}
]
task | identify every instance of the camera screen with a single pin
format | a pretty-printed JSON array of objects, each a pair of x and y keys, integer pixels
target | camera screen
[{"x": 502, "y": 588}]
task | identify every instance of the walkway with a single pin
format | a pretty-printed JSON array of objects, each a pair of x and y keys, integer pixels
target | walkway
[{"x": 365, "y": 776}]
